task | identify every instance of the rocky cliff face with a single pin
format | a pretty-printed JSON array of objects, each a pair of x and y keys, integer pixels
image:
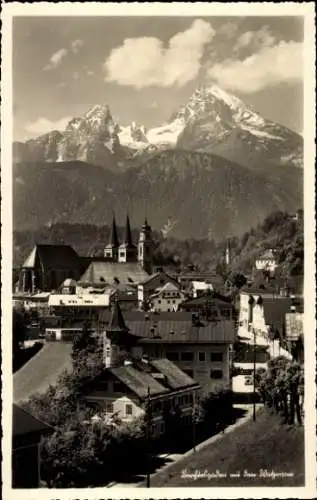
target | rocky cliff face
[{"x": 211, "y": 121}]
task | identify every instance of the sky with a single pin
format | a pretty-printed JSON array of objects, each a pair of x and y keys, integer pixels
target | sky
[{"x": 145, "y": 68}]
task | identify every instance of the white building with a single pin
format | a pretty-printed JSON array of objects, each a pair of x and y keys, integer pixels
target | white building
[
  {"x": 167, "y": 298},
  {"x": 200, "y": 288},
  {"x": 267, "y": 261}
]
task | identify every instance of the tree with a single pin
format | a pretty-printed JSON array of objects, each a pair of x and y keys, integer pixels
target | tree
[
  {"x": 238, "y": 279},
  {"x": 19, "y": 332},
  {"x": 281, "y": 387},
  {"x": 86, "y": 353}
]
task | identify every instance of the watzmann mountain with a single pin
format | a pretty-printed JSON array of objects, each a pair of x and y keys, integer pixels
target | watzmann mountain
[
  {"x": 212, "y": 121},
  {"x": 216, "y": 166}
]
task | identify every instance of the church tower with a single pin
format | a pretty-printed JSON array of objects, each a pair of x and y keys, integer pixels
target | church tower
[
  {"x": 127, "y": 251},
  {"x": 112, "y": 248},
  {"x": 145, "y": 248}
]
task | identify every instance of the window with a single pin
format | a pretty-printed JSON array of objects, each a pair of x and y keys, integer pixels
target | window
[
  {"x": 128, "y": 409},
  {"x": 187, "y": 356},
  {"x": 172, "y": 356},
  {"x": 173, "y": 301},
  {"x": 109, "y": 407},
  {"x": 159, "y": 301},
  {"x": 190, "y": 373},
  {"x": 168, "y": 301},
  {"x": 202, "y": 356},
  {"x": 122, "y": 254},
  {"x": 216, "y": 356},
  {"x": 216, "y": 374}
]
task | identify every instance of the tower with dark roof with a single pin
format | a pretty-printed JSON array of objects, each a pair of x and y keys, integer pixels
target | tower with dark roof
[
  {"x": 117, "y": 338},
  {"x": 145, "y": 248},
  {"x": 112, "y": 248},
  {"x": 127, "y": 251}
]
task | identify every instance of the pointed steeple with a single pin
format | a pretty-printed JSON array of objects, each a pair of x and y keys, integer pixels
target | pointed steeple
[
  {"x": 117, "y": 322},
  {"x": 114, "y": 241},
  {"x": 128, "y": 236}
]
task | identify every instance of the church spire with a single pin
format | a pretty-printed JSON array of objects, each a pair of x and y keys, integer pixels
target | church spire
[
  {"x": 114, "y": 241},
  {"x": 128, "y": 236},
  {"x": 117, "y": 322}
]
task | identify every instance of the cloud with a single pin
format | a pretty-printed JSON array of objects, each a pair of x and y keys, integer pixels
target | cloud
[
  {"x": 75, "y": 75},
  {"x": 76, "y": 45},
  {"x": 43, "y": 125},
  {"x": 229, "y": 30},
  {"x": 56, "y": 59},
  {"x": 255, "y": 39},
  {"x": 90, "y": 73},
  {"x": 269, "y": 66},
  {"x": 142, "y": 62}
]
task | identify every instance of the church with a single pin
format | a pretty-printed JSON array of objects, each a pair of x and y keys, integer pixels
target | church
[{"x": 123, "y": 263}]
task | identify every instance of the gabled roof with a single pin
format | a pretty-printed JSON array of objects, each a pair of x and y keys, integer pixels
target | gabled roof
[
  {"x": 169, "y": 287},
  {"x": 108, "y": 273},
  {"x": 42, "y": 370},
  {"x": 276, "y": 309},
  {"x": 54, "y": 256},
  {"x": 148, "y": 279},
  {"x": 209, "y": 300},
  {"x": 138, "y": 381},
  {"x": 175, "y": 327},
  {"x": 24, "y": 423},
  {"x": 175, "y": 377},
  {"x": 267, "y": 255}
]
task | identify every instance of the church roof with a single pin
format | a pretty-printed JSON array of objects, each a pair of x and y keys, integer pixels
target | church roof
[
  {"x": 54, "y": 256},
  {"x": 113, "y": 272}
]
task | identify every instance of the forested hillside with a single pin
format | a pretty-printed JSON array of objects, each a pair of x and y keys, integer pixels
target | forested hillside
[{"x": 279, "y": 231}]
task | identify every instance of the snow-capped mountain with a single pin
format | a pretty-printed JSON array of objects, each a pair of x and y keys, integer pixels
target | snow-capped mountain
[{"x": 212, "y": 121}]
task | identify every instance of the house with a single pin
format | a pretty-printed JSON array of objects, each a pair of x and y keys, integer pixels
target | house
[
  {"x": 294, "y": 334},
  {"x": 79, "y": 306},
  {"x": 47, "y": 266},
  {"x": 200, "y": 348},
  {"x": 267, "y": 261},
  {"x": 123, "y": 391},
  {"x": 187, "y": 277},
  {"x": 153, "y": 284},
  {"x": 130, "y": 380},
  {"x": 32, "y": 302},
  {"x": 27, "y": 432},
  {"x": 210, "y": 305},
  {"x": 200, "y": 288},
  {"x": 167, "y": 298},
  {"x": 265, "y": 317}
]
